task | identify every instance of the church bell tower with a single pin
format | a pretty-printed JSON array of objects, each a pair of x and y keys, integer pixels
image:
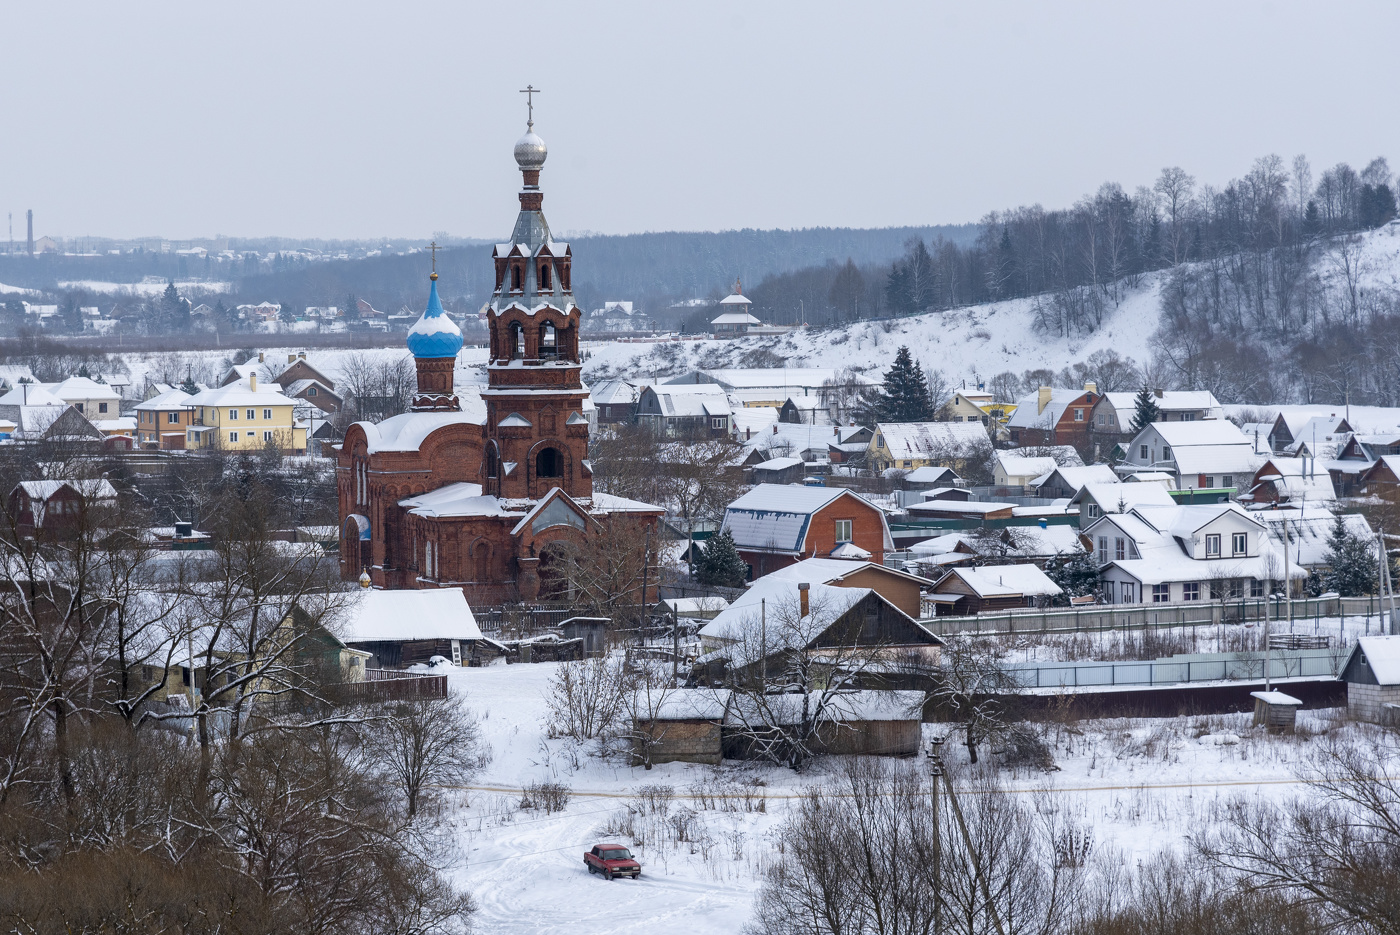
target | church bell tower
[{"x": 537, "y": 434}]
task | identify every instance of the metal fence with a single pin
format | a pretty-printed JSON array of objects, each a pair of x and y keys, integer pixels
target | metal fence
[
  {"x": 1149, "y": 616},
  {"x": 1181, "y": 670}
]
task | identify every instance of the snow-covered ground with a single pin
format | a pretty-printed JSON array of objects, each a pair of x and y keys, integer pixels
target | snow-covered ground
[
  {"x": 1141, "y": 785},
  {"x": 145, "y": 289},
  {"x": 980, "y": 340}
]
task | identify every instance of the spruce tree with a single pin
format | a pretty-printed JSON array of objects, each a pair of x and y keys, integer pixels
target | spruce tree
[
  {"x": 1145, "y": 411},
  {"x": 720, "y": 562},
  {"x": 1076, "y": 577},
  {"x": 1352, "y": 562},
  {"x": 905, "y": 394}
]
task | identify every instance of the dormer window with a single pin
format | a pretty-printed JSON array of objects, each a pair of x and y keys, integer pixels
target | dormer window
[{"x": 545, "y": 285}]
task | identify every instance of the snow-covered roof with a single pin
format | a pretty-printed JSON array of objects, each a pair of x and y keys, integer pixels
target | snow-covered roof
[
  {"x": 828, "y": 570},
  {"x": 372, "y": 615},
  {"x": 767, "y": 613},
  {"x": 929, "y": 474},
  {"x": 1382, "y": 654},
  {"x": 1308, "y": 530},
  {"x": 1034, "y": 542},
  {"x": 1014, "y": 465},
  {"x": 922, "y": 439},
  {"x": 1216, "y": 459},
  {"x": 777, "y": 516},
  {"x": 778, "y": 464},
  {"x": 170, "y": 399},
  {"x": 1004, "y": 581},
  {"x": 1077, "y": 477},
  {"x": 683, "y": 704},
  {"x": 1028, "y": 414},
  {"x": 459, "y": 499},
  {"x": 786, "y": 709},
  {"x": 747, "y": 419},
  {"x": 970, "y": 507},
  {"x": 1109, "y": 496},
  {"x": 1206, "y": 432},
  {"x": 849, "y": 550},
  {"x": 83, "y": 388},
  {"x": 240, "y": 393},
  {"x": 408, "y": 430},
  {"x": 735, "y": 299},
  {"x": 734, "y": 318},
  {"x": 30, "y": 394},
  {"x": 91, "y": 489},
  {"x": 1168, "y": 401}
]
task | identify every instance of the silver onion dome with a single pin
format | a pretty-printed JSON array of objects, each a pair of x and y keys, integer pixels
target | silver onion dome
[{"x": 530, "y": 151}]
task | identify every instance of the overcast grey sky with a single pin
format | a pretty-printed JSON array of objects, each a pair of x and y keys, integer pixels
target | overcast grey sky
[{"x": 358, "y": 119}]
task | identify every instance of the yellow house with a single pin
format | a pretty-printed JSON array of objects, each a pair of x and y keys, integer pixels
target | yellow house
[
  {"x": 243, "y": 417},
  {"x": 904, "y": 446},
  {"x": 976, "y": 406}
]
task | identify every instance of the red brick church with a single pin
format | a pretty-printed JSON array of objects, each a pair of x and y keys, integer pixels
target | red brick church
[{"x": 490, "y": 491}]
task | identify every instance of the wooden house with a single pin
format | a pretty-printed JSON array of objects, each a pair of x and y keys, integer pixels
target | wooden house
[{"x": 965, "y": 591}]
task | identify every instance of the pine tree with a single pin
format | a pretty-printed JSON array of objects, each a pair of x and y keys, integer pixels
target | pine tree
[
  {"x": 1077, "y": 577},
  {"x": 189, "y": 386},
  {"x": 1352, "y": 562},
  {"x": 1146, "y": 410},
  {"x": 720, "y": 563},
  {"x": 905, "y": 394},
  {"x": 83, "y": 371},
  {"x": 352, "y": 308}
]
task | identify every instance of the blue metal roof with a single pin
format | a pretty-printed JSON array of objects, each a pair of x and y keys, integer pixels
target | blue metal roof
[{"x": 434, "y": 334}]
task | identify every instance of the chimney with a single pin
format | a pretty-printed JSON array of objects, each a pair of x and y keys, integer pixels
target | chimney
[
  {"x": 1090, "y": 386},
  {"x": 31, "y": 231},
  {"x": 775, "y": 428},
  {"x": 302, "y": 355},
  {"x": 1157, "y": 393},
  {"x": 291, "y": 358},
  {"x": 1042, "y": 399},
  {"x": 802, "y": 602},
  {"x": 262, "y": 356},
  {"x": 253, "y": 382}
]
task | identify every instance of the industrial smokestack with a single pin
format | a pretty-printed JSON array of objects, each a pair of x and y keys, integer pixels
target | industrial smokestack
[{"x": 31, "y": 231}]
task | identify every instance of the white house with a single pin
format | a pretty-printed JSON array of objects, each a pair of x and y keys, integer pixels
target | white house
[
  {"x": 1096, "y": 499},
  {"x": 1199, "y": 455},
  {"x": 1018, "y": 468},
  {"x": 1115, "y": 411},
  {"x": 1185, "y": 553}
]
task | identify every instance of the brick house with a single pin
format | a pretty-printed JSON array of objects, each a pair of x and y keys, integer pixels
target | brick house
[
  {"x": 161, "y": 421},
  {"x": 491, "y": 492},
  {"x": 1053, "y": 416},
  {"x": 1372, "y": 674},
  {"x": 776, "y": 525},
  {"x": 54, "y": 505},
  {"x": 301, "y": 380}
]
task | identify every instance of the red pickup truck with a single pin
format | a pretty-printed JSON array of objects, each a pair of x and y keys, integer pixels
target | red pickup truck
[{"x": 612, "y": 860}]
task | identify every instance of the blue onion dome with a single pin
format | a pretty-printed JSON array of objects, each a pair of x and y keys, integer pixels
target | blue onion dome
[{"x": 434, "y": 335}]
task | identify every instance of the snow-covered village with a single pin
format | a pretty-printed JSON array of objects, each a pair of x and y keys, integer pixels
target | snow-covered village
[{"x": 812, "y": 521}]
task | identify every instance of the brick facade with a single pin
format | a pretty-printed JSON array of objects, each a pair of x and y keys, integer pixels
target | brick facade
[{"x": 523, "y": 499}]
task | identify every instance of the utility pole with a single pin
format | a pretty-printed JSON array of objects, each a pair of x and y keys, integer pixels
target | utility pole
[
  {"x": 971, "y": 849},
  {"x": 935, "y": 764}
]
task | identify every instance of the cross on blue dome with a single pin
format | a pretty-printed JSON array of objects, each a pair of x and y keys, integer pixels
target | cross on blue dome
[{"x": 434, "y": 334}]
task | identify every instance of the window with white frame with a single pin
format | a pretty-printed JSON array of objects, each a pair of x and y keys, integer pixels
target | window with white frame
[
  {"x": 1120, "y": 549},
  {"x": 252, "y": 414},
  {"x": 1213, "y": 545},
  {"x": 233, "y": 415},
  {"x": 233, "y": 436},
  {"x": 1161, "y": 593},
  {"x": 1103, "y": 550},
  {"x": 267, "y": 414},
  {"x": 1128, "y": 592},
  {"x": 1166, "y": 452},
  {"x": 1239, "y": 543},
  {"x": 1079, "y": 415},
  {"x": 717, "y": 422},
  {"x": 173, "y": 418},
  {"x": 1191, "y": 591},
  {"x": 843, "y": 530},
  {"x": 267, "y": 436},
  {"x": 1092, "y": 511},
  {"x": 1142, "y": 452}
]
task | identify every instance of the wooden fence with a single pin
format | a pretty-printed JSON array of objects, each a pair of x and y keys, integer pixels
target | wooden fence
[
  {"x": 391, "y": 685},
  {"x": 1151, "y": 616}
]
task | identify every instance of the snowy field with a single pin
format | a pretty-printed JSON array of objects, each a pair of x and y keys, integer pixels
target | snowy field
[{"x": 1139, "y": 785}]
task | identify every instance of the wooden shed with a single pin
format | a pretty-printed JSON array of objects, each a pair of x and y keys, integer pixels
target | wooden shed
[
  {"x": 1276, "y": 711},
  {"x": 1372, "y": 674},
  {"x": 683, "y": 725}
]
